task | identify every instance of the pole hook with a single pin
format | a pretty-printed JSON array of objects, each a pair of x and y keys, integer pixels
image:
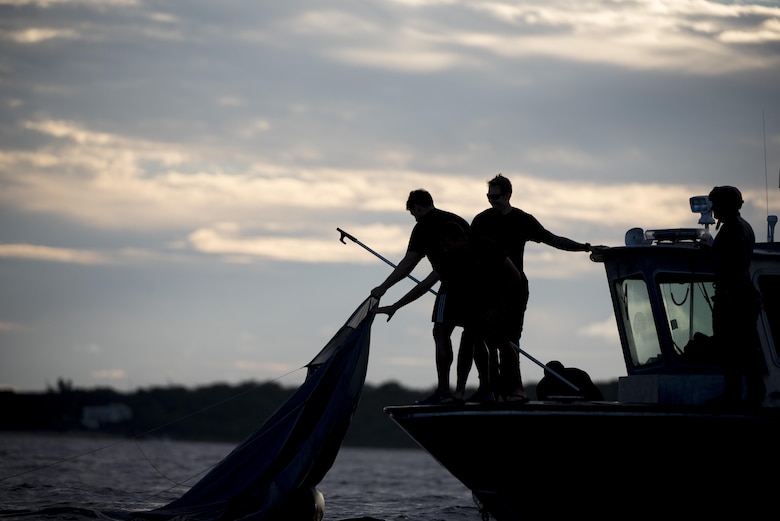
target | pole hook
[
  {"x": 345, "y": 234},
  {"x": 353, "y": 239}
]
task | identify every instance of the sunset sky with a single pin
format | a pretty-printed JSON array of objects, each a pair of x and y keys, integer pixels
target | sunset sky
[{"x": 172, "y": 173}]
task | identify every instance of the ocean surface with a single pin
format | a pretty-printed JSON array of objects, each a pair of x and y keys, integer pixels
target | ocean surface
[{"x": 64, "y": 477}]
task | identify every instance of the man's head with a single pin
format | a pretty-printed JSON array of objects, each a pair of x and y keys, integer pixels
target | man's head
[
  {"x": 419, "y": 203},
  {"x": 499, "y": 193},
  {"x": 726, "y": 201}
]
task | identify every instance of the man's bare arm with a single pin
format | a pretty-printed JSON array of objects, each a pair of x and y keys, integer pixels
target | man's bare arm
[
  {"x": 413, "y": 294},
  {"x": 402, "y": 270}
]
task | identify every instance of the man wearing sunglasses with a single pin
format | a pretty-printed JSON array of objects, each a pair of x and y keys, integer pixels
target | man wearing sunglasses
[{"x": 512, "y": 228}]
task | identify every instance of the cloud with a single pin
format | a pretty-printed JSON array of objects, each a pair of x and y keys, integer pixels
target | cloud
[
  {"x": 399, "y": 60},
  {"x": 91, "y": 349},
  {"x": 181, "y": 139},
  {"x": 129, "y": 172},
  {"x": 691, "y": 37},
  {"x": 38, "y": 35},
  {"x": 768, "y": 31},
  {"x": 255, "y": 367},
  {"x": 109, "y": 374},
  {"x": 407, "y": 361},
  {"x": 231, "y": 239},
  {"x": 606, "y": 330},
  {"x": 278, "y": 212},
  {"x": 10, "y": 326},
  {"x": 52, "y": 3},
  {"x": 51, "y": 254}
]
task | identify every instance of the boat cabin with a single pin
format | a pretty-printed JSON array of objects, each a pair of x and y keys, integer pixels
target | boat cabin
[{"x": 661, "y": 284}]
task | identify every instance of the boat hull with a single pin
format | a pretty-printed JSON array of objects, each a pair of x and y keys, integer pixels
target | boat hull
[{"x": 588, "y": 457}]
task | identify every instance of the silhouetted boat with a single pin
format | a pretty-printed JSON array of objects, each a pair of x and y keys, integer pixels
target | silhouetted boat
[{"x": 661, "y": 447}]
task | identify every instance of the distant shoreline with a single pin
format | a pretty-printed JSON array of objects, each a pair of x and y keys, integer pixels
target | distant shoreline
[{"x": 216, "y": 413}]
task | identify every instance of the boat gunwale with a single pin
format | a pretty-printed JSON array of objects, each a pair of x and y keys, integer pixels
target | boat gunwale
[{"x": 582, "y": 408}]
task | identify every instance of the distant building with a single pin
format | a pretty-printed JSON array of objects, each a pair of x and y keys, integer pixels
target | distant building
[{"x": 93, "y": 417}]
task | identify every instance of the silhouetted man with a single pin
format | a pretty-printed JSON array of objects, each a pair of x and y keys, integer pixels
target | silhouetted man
[
  {"x": 737, "y": 303},
  {"x": 426, "y": 241},
  {"x": 511, "y": 228}
]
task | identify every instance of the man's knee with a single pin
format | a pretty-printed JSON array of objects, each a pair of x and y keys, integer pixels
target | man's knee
[{"x": 442, "y": 331}]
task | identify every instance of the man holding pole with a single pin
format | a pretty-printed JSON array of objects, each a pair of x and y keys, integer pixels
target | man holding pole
[
  {"x": 485, "y": 285},
  {"x": 426, "y": 241},
  {"x": 511, "y": 228}
]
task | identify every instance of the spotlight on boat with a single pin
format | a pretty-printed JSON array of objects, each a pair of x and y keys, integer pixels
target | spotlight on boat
[
  {"x": 701, "y": 204},
  {"x": 635, "y": 237}
]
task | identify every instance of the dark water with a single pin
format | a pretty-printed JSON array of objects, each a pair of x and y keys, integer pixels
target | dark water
[{"x": 70, "y": 478}]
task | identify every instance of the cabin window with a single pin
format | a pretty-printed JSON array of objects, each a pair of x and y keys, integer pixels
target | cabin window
[
  {"x": 688, "y": 308},
  {"x": 644, "y": 348}
]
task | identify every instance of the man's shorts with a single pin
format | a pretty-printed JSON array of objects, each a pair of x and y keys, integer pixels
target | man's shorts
[{"x": 450, "y": 308}]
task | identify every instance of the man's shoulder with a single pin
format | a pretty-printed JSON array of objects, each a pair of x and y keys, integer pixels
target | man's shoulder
[
  {"x": 746, "y": 227},
  {"x": 734, "y": 231},
  {"x": 484, "y": 214},
  {"x": 514, "y": 215},
  {"x": 487, "y": 215},
  {"x": 445, "y": 216},
  {"x": 520, "y": 214}
]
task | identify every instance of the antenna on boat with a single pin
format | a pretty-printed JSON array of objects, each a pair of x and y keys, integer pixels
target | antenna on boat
[{"x": 771, "y": 220}]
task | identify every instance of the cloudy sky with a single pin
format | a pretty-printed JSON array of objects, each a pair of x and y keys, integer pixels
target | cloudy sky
[{"x": 172, "y": 173}]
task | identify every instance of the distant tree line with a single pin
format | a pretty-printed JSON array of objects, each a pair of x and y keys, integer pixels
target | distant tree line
[{"x": 218, "y": 412}]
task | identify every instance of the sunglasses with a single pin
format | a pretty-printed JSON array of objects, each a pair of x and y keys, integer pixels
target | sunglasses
[{"x": 494, "y": 197}]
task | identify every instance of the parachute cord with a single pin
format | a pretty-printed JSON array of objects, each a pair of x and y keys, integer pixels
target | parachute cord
[
  {"x": 64, "y": 460},
  {"x": 182, "y": 484},
  {"x": 155, "y": 467}
]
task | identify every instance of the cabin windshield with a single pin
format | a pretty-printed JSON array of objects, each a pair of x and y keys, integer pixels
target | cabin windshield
[
  {"x": 688, "y": 309},
  {"x": 644, "y": 348},
  {"x": 687, "y": 315}
]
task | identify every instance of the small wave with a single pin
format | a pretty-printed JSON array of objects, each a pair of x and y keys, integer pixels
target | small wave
[{"x": 54, "y": 513}]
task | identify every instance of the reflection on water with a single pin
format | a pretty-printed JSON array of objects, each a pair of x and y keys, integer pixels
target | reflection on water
[{"x": 103, "y": 475}]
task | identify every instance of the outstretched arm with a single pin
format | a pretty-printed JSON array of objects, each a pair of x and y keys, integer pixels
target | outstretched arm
[
  {"x": 563, "y": 243},
  {"x": 413, "y": 294}
]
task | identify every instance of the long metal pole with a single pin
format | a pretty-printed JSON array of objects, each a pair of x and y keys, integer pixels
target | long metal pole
[
  {"x": 514, "y": 346},
  {"x": 547, "y": 369},
  {"x": 353, "y": 239}
]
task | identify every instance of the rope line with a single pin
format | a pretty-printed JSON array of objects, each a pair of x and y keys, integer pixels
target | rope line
[{"x": 155, "y": 467}]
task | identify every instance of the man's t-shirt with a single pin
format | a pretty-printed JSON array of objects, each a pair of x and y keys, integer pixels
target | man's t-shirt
[
  {"x": 510, "y": 231},
  {"x": 486, "y": 295},
  {"x": 428, "y": 232}
]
